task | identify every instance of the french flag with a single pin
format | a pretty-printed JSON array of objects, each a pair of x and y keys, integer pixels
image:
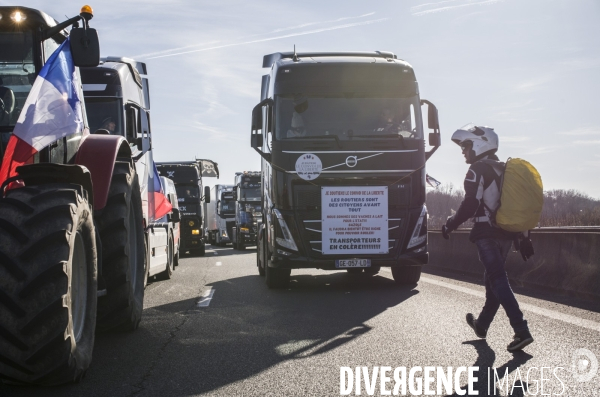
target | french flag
[
  {"x": 52, "y": 111},
  {"x": 162, "y": 206}
]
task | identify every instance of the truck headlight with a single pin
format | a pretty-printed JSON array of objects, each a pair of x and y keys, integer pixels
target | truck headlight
[
  {"x": 418, "y": 238},
  {"x": 287, "y": 241},
  {"x": 195, "y": 231},
  {"x": 244, "y": 230}
]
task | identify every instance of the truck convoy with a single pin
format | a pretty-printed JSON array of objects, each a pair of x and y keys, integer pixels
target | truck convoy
[
  {"x": 248, "y": 216},
  {"x": 71, "y": 219},
  {"x": 187, "y": 176},
  {"x": 220, "y": 215},
  {"x": 343, "y": 165}
]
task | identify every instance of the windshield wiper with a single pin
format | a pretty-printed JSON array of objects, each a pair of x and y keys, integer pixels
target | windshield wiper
[{"x": 337, "y": 140}]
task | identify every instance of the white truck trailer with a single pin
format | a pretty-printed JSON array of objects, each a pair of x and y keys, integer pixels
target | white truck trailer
[{"x": 220, "y": 215}]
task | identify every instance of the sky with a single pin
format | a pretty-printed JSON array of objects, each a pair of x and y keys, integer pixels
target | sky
[{"x": 528, "y": 68}]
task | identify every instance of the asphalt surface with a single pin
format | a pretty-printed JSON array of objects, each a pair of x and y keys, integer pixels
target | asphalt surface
[{"x": 215, "y": 329}]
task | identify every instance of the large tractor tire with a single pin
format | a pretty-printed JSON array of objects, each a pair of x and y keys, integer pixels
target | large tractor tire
[
  {"x": 123, "y": 252},
  {"x": 48, "y": 284}
]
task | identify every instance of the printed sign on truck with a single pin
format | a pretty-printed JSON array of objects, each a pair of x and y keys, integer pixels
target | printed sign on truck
[{"x": 354, "y": 220}]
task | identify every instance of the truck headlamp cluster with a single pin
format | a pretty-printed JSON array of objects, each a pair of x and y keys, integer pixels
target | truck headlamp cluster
[
  {"x": 287, "y": 241},
  {"x": 244, "y": 230},
  {"x": 18, "y": 17},
  {"x": 418, "y": 238},
  {"x": 196, "y": 231}
]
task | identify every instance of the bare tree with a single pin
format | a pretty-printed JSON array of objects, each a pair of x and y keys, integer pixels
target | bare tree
[{"x": 561, "y": 207}]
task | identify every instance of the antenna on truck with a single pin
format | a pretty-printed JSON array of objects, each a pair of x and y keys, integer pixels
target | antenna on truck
[{"x": 295, "y": 57}]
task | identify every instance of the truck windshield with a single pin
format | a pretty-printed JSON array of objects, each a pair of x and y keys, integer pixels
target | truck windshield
[
  {"x": 250, "y": 188},
  {"x": 17, "y": 74},
  {"x": 227, "y": 206},
  {"x": 105, "y": 113},
  {"x": 347, "y": 116},
  {"x": 187, "y": 192}
]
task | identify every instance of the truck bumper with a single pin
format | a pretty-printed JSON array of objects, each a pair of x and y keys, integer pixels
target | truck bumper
[
  {"x": 247, "y": 238},
  {"x": 188, "y": 243},
  {"x": 299, "y": 262}
]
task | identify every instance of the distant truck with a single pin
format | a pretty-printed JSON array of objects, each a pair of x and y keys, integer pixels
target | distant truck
[
  {"x": 187, "y": 176},
  {"x": 248, "y": 215},
  {"x": 220, "y": 215}
]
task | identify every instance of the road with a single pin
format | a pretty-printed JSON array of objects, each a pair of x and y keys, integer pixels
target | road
[{"x": 215, "y": 329}]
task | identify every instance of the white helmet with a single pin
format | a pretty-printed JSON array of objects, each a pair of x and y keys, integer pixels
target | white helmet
[{"x": 484, "y": 139}]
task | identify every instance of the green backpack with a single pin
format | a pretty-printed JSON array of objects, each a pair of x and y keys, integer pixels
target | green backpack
[{"x": 521, "y": 197}]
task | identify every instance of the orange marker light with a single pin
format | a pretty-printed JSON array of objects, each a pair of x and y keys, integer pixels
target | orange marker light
[{"x": 86, "y": 10}]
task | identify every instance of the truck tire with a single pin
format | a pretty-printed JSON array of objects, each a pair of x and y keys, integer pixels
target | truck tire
[
  {"x": 277, "y": 278},
  {"x": 406, "y": 275},
  {"x": 168, "y": 273},
  {"x": 260, "y": 256},
  {"x": 123, "y": 252},
  {"x": 176, "y": 259},
  {"x": 48, "y": 284}
]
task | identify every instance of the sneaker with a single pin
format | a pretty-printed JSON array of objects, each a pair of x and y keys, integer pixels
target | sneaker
[
  {"x": 480, "y": 332},
  {"x": 520, "y": 340}
]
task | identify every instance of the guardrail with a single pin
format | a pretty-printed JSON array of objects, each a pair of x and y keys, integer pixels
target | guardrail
[{"x": 566, "y": 260}]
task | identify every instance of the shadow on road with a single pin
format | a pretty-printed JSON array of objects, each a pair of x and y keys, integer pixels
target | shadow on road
[
  {"x": 485, "y": 361},
  {"x": 183, "y": 350}
]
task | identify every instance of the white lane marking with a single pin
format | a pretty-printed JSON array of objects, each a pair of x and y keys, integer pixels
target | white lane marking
[
  {"x": 555, "y": 315},
  {"x": 206, "y": 297},
  {"x": 219, "y": 263}
]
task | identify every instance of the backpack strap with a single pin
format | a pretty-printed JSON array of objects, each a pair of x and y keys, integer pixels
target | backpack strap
[{"x": 499, "y": 179}]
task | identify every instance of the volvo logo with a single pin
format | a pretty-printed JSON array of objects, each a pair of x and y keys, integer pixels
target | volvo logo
[{"x": 351, "y": 161}]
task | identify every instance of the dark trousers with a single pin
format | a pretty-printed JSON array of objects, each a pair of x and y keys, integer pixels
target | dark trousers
[{"x": 493, "y": 253}]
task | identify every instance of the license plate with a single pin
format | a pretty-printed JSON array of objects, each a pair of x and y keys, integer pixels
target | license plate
[{"x": 350, "y": 263}]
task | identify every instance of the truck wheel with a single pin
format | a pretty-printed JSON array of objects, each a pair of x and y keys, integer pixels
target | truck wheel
[
  {"x": 260, "y": 257},
  {"x": 168, "y": 273},
  {"x": 176, "y": 259},
  {"x": 406, "y": 275},
  {"x": 277, "y": 278},
  {"x": 124, "y": 261},
  {"x": 48, "y": 284}
]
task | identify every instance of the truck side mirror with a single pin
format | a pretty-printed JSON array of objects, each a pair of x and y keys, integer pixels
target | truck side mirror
[
  {"x": 175, "y": 216},
  {"x": 433, "y": 123},
  {"x": 256, "y": 129},
  {"x": 206, "y": 194},
  {"x": 434, "y": 139},
  {"x": 257, "y": 119},
  {"x": 85, "y": 46},
  {"x": 256, "y": 140}
]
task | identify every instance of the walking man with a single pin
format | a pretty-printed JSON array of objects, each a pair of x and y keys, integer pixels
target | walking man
[{"x": 482, "y": 198}]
